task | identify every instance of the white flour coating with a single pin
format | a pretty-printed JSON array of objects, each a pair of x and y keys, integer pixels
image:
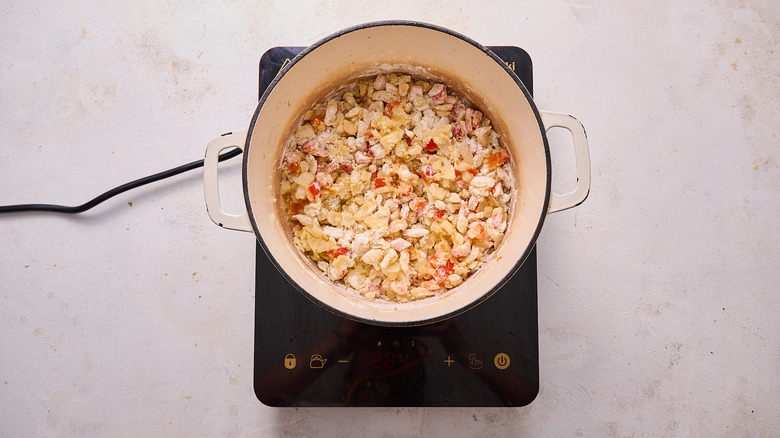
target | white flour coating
[{"x": 396, "y": 188}]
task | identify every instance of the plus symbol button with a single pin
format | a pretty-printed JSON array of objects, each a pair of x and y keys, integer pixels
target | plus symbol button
[{"x": 449, "y": 361}]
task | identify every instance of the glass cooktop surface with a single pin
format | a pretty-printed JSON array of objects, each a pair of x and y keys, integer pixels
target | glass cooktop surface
[{"x": 308, "y": 356}]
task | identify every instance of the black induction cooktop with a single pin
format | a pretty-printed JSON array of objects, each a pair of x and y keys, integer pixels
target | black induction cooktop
[{"x": 308, "y": 356}]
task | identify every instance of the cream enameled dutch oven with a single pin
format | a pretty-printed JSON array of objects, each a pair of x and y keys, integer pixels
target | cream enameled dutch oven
[{"x": 420, "y": 49}]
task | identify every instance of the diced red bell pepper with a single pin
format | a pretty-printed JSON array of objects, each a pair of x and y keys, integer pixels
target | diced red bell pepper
[
  {"x": 497, "y": 159},
  {"x": 333, "y": 253},
  {"x": 314, "y": 190},
  {"x": 390, "y": 107}
]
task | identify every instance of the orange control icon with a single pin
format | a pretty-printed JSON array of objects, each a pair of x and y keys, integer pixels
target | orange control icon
[
  {"x": 501, "y": 361},
  {"x": 289, "y": 361}
]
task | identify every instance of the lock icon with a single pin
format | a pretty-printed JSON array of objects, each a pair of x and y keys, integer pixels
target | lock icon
[
  {"x": 317, "y": 361},
  {"x": 289, "y": 361}
]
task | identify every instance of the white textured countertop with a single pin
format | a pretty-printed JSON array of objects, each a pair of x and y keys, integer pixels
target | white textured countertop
[{"x": 658, "y": 297}]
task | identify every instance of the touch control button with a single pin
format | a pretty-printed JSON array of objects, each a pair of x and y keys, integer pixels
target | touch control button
[
  {"x": 501, "y": 361},
  {"x": 289, "y": 361}
]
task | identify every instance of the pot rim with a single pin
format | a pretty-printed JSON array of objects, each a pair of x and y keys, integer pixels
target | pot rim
[{"x": 437, "y": 318}]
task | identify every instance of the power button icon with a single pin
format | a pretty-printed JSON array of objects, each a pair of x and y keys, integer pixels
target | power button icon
[{"x": 501, "y": 361}]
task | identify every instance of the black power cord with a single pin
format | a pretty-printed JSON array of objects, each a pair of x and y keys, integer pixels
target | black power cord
[{"x": 115, "y": 191}]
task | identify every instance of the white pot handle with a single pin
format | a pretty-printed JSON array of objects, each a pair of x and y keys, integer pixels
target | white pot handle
[
  {"x": 239, "y": 222},
  {"x": 574, "y": 198}
]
